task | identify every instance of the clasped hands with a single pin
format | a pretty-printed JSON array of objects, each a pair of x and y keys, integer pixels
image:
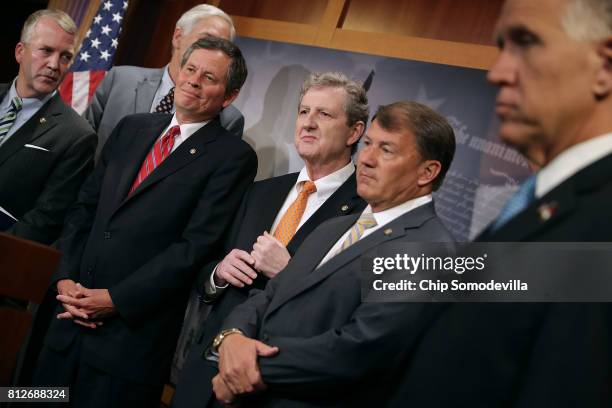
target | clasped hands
[
  {"x": 269, "y": 256},
  {"x": 238, "y": 369},
  {"x": 83, "y": 305}
]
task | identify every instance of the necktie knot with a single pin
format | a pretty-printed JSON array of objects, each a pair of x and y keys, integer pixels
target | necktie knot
[
  {"x": 168, "y": 139},
  {"x": 517, "y": 203},
  {"x": 166, "y": 103},
  {"x": 16, "y": 104},
  {"x": 308, "y": 187}
]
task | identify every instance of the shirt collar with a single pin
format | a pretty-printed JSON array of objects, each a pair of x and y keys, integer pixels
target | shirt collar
[
  {"x": 27, "y": 103},
  {"x": 386, "y": 216},
  {"x": 328, "y": 184},
  {"x": 571, "y": 161},
  {"x": 187, "y": 129}
]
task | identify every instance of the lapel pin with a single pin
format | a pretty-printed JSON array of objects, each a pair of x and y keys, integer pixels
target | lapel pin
[
  {"x": 547, "y": 210},
  {"x": 388, "y": 231},
  {"x": 193, "y": 151},
  {"x": 43, "y": 120},
  {"x": 344, "y": 208}
]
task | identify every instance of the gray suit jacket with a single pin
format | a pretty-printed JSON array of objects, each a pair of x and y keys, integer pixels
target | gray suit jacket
[
  {"x": 335, "y": 350},
  {"x": 127, "y": 90},
  {"x": 42, "y": 167}
]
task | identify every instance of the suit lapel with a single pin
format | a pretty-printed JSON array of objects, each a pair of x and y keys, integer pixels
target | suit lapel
[
  {"x": 389, "y": 232},
  {"x": 273, "y": 198},
  {"x": 145, "y": 91},
  {"x": 187, "y": 152},
  {"x": 555, "y": 206},
  {"x": 40, "y": 123}
]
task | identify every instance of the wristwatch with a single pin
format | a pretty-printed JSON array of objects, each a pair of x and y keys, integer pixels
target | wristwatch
[{"x": 221, "y": 336}]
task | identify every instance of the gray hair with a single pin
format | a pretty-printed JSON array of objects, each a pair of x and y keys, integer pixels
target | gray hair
[
  {"x": 434, "y": 136},
  {"x": 191, "y": 17},
  {"x": 587, "y": 20},
  {"x": 62, "y": 19},
  {"x": 356, "y": 105}
]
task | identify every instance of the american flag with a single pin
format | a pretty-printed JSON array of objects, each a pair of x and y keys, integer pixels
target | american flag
[{"x": 96, "y": 55}]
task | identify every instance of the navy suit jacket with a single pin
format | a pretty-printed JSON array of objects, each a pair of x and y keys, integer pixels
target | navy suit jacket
[{"x": 147, "y": 246}]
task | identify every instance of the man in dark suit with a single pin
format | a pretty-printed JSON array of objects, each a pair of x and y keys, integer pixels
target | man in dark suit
[
  {"x": 127, "y": 89},
  {"x": 46, "y": 149},
  {"x": 554, "y": 102},
  {"x": 308, "y": 339},
  {"x": 252, "y": 256},
  {"x": 146, "y": 220}
]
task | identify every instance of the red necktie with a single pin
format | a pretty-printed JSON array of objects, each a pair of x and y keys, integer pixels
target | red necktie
[{"x": 161, "y": 149}]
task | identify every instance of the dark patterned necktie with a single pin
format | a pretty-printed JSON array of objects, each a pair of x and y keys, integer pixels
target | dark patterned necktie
[
  {"x": 167, "y": 103},
  {"x": 8, "y": 119},
  {"x": 161, "y": 149}
]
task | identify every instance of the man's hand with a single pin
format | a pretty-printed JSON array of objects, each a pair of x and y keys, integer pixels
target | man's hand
[
  {"x": 222, "y": 392},
  {"x": 67, "y": 287},
  {"x": 270, "y": 255},
  {"x": 87, "y": 304},
  {"x": 238, "y": 363},
  {"x": 236, "y": 269}
]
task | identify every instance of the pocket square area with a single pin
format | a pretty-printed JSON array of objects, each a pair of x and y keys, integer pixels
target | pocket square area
[{"x": 31, "y": 146}]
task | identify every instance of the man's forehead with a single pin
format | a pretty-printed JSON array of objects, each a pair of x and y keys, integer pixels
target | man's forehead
[
  {"x": 213, "y": 25},
  {"x": 324, "y": 96},
  {"x": 529, "y": 14}
]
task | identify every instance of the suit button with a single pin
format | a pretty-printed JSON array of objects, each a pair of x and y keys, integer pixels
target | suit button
[
  {"x": 89, "y": 270},
  {"x": 107, "y": 235},
  {"x": 265, "y": 337}
]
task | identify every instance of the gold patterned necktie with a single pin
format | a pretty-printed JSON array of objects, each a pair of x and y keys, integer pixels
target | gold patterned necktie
[
  {"x": 365, "y": 221},
  {"x": 285, "y": 230}
]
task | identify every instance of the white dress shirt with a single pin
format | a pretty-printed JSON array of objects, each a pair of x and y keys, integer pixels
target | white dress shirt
[
  {"x": 571, "y": 161},
  {"x": 382, "y": 218},
  {"x": 187, "y": 130}
]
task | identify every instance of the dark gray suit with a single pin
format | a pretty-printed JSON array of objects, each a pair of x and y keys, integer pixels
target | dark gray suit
[
  {"x": 525, "y": 354},
  {"x": 127, "y": 90},
  {"x": 335, "y": 350},
  {"x": 37, "y": 186}
]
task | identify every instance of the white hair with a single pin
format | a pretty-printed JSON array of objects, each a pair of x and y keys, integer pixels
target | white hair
[
  {"x": 587, "y": 20},
  {"x": 191, "y": 17}
]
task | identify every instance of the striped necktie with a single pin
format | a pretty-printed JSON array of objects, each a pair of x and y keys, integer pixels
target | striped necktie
[
  {"x": 364, "y": 222},
  {"x": 285, "y": 230},
  {"x": 160, "y": 151},
  {"x": 9, "y": 117}
]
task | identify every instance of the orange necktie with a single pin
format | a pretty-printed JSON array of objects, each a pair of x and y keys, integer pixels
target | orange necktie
[{"x": 291, "y": 219}]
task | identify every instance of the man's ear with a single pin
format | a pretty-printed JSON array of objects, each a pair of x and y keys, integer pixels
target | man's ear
[
  {"x": 176, "y": 38},
  {"x": 356, "y": 132},
  {"x": 19, "y": 50},
  {"x": 603, "y": 79},
  {"x": 230, "y": 98},
  {"x": 428, "y": 171}
]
